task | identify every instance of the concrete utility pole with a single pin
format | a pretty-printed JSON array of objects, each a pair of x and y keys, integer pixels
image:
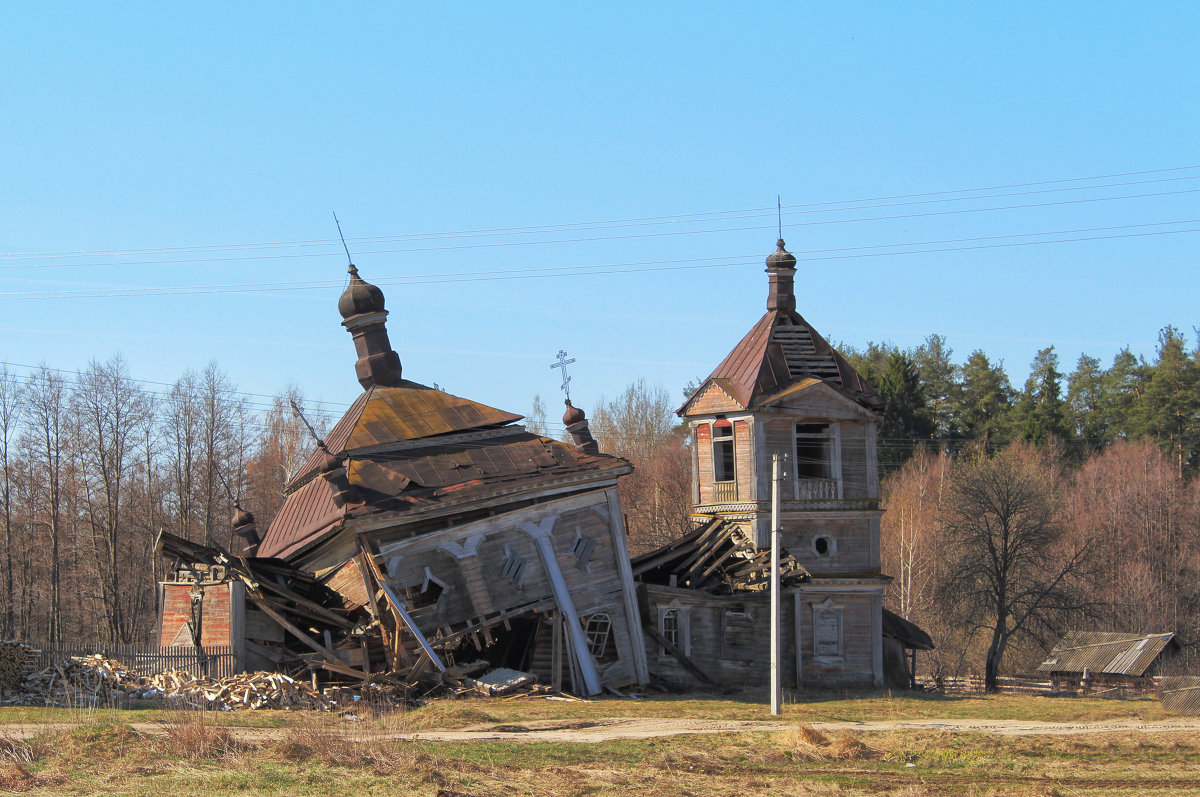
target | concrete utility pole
[{"x": 776, "y": 681}]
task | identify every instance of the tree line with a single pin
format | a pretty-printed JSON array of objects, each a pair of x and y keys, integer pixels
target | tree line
[
  {"x": 1011, "y": 516},
  {"x": 929, "y": 399},
  {"x": 94, "y": 464}
]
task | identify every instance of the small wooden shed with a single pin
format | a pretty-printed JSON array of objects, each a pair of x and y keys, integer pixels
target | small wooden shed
[{"x": 1088, "y": 660}]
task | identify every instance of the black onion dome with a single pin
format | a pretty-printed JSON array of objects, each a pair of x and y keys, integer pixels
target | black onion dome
[
  {"x": 360, "y": 297},
  {"x": 781, "y": 258},
  {"x": 573, "y": 415}
]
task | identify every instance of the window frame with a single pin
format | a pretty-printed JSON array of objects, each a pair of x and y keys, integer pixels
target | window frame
[
  {"x": 832, "y": 437},
  {"x": 720, "y": 445}
]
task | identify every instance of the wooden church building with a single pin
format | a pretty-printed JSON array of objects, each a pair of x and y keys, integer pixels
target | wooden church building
[
  {"x": 783, "y": 390},
  {"x": 443, "y": 522}
]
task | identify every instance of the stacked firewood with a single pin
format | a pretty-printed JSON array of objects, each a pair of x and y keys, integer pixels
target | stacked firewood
[{"x": 16, "y": 660}]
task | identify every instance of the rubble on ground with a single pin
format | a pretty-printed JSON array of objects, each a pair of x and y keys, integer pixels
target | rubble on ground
[{"x": 98, "y": 681}]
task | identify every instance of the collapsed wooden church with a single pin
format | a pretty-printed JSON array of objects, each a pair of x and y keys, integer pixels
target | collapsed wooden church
[
  {"x": 428, "y": 530},
  {"x": 439, "y": 531}
]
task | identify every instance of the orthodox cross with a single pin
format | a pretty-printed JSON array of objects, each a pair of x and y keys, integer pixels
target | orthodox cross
[{"x": 562, "y": 363}]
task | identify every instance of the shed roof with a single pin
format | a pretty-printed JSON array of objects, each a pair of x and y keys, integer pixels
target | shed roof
[{"x": 1106, "y": 652}]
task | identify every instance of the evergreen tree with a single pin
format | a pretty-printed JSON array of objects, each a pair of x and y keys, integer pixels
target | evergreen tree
[
  {"x": 906, "y": 419},
  {"x": 985, "y": 401},
  {"x": 1087, "y": 403},
  {"x": 940, "y": 378},
  {"x": 1041, "y": 412},
  {"x": 1169, "y": 407},
  {"x": 1123, "y": 382}
]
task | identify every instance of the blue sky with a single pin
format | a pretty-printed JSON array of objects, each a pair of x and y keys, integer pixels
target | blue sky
[{"x": 487, "y": 160}]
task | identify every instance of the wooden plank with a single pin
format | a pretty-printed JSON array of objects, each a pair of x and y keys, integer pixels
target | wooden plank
[{"x": 677, "y": 653}]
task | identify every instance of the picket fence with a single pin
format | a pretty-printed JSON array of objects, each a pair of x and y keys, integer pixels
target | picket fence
[{"x": 216, "y": 661}]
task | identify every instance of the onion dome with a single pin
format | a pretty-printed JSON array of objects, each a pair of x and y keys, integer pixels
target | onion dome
[
  {"x": 241, "y": 517},
  {"x": 573, "y": 415},
  {"x": 360, "y": 297},
  {"x": 781, "y": 258}
]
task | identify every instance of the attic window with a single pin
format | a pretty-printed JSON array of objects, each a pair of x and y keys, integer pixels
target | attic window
[
  {"x": 513, "y": 568},
  {"x": 723, "y": 459}
]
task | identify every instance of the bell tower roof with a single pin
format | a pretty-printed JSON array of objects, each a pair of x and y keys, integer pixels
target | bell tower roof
[{"x": 783, "y": 349}]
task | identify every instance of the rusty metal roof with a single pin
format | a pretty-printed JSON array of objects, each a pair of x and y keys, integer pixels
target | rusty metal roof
[
  {"x": 385, "y": 415},
  {"x": 428, "y": 476},
  {"x": 780, "y": 349},
  {"x": 306, "y": 514},
  {"x": 1104, "y": 652}
]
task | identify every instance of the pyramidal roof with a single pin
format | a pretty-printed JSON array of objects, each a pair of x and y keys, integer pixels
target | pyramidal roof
[
  {"x": 783, "y": 349},
  {"x": 383, "y": 416}
]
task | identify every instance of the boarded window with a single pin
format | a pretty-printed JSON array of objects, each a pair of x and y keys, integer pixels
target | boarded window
[
  {"x": 582, "y": 551},
  {"x": 737, "y": 635},
  {"x": 827, "y": 630},
  {"x": 513, "y": 568}
]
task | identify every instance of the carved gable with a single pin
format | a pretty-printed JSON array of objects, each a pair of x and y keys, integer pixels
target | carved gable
[{"x": 712, "y": 399}]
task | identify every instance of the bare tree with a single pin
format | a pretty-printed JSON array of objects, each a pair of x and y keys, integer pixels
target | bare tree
[
  {"x": 1011, "y": 569},
  {"x": 181, "y": 432},
  {"x": 282, "y": 449},
  {"x": 46, "y": 443},
  {"x": 10, "y": 418},
  {"x": 112, "y": 413},
  {"x": 535, "y": 422},
  {"x": 640, "y": 425}
]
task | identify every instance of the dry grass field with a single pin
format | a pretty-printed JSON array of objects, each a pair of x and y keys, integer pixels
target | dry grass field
[{"x": 157, "y": 752}]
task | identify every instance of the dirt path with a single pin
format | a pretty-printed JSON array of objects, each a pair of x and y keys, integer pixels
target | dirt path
[
  {"x": 605, "y": 730},
  {"x": 609, "y": 729}
]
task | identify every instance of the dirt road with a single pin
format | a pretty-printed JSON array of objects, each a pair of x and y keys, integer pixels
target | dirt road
[{"x": 605, "y": 730}]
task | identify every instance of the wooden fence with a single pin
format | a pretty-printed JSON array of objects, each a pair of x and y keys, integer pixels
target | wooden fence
[
  {"x": 217, "y": 661},
  {"x": 1018, "y": 684}
]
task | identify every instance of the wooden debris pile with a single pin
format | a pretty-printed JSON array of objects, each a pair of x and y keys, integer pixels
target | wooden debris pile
[
  {"x": 96, "y": 680},
  {"x": 718, "y": 558},
  {"x": 17, "y": 660}
]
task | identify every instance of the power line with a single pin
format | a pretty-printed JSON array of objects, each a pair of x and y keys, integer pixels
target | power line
[
  {"x": 694, "y": 218},
  {"x": 592, "y": 270}
]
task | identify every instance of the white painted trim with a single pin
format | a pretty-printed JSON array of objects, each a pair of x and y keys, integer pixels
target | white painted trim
[
  {"x": 541, "y": 533},
  {"x": 486, "y": 526},
  {"x": 641, "y": 667}
]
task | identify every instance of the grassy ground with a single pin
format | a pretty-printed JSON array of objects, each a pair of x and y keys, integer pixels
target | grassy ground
[{"x": 315, "y": 753}]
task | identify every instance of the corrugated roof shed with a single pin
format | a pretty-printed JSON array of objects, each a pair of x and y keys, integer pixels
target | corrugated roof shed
[{"x": 1105, "y": 652}]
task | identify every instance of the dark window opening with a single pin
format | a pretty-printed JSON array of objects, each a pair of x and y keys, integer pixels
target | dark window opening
[
  {"x": 821, "y": 546},
  {"x": 670, "y": 626},
  {"x": 723, "y": 460},
  {"x": 813, "y": 451}
]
